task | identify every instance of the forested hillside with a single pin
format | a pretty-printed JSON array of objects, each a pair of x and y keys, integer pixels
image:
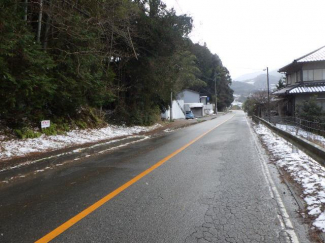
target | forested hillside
[{"x": 79, "y": 62}]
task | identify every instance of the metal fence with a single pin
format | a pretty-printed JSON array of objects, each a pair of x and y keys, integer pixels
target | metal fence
[{"x": 310, "y": 130}]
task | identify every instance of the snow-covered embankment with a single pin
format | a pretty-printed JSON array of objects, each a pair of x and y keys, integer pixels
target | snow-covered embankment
[
  {"x": 303, "y": 169},
  {"x": 16, "y": 148}
]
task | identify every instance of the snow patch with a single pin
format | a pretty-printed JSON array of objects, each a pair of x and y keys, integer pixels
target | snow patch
[
  {"x": 168, "y": 130},
  {"x": 302, "y": 133},
  {"x": 13, "y": 148},
  {"x": 303, "y": 169}
]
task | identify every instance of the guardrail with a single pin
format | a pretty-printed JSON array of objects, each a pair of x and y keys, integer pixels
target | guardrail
[
  {"x": 313, "y": 150},
  {"x": 309, "y": 126}
]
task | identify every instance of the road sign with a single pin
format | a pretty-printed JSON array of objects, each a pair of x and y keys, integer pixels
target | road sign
[{"x": 45, "y": 123}]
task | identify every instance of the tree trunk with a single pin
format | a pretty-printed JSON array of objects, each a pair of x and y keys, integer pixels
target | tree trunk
[
  {"x": 26, "y": 10},
  {"x": 47, "y": 26},
  {"x": 40, "y": 16},
  {"x": 154, "y": 5}
]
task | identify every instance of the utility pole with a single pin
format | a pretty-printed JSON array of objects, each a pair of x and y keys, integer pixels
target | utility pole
[
  {"x": 171, "y": 106},
  {"x": 268, "y": 94},
  {"x": 215, "y": 92}
]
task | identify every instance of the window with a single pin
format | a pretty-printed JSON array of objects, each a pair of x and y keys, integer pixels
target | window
[
  {"x": 318, "y": 74},
  {"x": 289, "y": 79},
  {"x": 292, "y": 78},
  {"x": 311, "y": 75},
  {"x": 305, "y": 75},
  {"x": 308, "y": 75}
]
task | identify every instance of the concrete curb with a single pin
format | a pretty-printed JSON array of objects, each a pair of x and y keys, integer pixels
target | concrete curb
[{"x": 313, "y": 150}]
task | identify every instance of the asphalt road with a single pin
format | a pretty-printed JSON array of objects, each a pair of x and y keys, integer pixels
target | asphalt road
[{"x": 217, "y": 189}]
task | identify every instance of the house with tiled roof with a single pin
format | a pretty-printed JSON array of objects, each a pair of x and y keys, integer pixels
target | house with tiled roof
[{"x": 305, "y": 78}]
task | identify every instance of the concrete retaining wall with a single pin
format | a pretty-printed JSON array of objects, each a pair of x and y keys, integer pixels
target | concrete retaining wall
[{"x": 313, "y": 150}]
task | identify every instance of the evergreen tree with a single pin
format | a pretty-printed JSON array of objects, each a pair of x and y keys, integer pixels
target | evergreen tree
[
  {"x": 310, "y": 110},
  {"x": 213, "y": 72},
  {"x": 281, "y": 84},
  {"x": 61, "y": 60},
  {"x": 27, "y": 87}
]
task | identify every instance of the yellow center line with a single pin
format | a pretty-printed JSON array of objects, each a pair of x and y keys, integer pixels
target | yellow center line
[{"x": 59, "y": 230}]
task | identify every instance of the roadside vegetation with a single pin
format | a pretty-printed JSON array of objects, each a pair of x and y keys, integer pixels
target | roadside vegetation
[
  {"x": 235, "y": 108},
  {"x": 256, "y": 103},
  {"x": 310, "y": 110},
  {"x": 84, "y": 63}
]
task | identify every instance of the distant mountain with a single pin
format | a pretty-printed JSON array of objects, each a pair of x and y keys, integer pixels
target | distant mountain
[
  {"x": 260, "y": 82},
  {"x": 249, "y": 83},
  {"x": 250, "y": 76},
  {"x": 242, "y": 88}
]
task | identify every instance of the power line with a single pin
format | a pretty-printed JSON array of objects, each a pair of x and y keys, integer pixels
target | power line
[{"x": 179, "y": 6}]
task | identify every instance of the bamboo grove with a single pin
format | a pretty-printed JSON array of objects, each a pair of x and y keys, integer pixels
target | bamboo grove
[{"x": 117, "y": 59}]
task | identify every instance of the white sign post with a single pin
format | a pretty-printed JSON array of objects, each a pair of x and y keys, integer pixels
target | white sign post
[{"x": 45, "y": 124}]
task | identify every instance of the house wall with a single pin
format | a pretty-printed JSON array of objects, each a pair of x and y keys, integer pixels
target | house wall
[
  {"x": 189, "y": 96},
  {"x": 313, "y": 65},
  {"x": 187, "y": 107},
  {"x": 204, "y": 100},
  {"x": 177, "y": 111}
]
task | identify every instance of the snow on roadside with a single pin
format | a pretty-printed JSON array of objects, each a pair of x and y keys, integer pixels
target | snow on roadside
[
  {"x": 303, "y": 169},
  {"x": 13, "y": 148},
  {"x": 302, "y": 133}
]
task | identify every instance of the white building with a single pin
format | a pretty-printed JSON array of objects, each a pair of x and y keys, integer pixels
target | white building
[
  {"x": 189, "y": 100},
  {"x": 178, "y": 110}
]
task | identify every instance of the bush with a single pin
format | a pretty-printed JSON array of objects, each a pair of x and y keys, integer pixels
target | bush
[
  {"x": 26, "y": 133},
  {"x": 135, "y": 116},
  {"x": 250, "y": 106},
  {"x": 310, "y": 110},
  {"x": 81, "y": 124},
  {"x": 144, "y": 117},
  {"x": 52, "y": 130},
  {"x": 235, "y": 107},
  {"x": 64, "y": 127}
]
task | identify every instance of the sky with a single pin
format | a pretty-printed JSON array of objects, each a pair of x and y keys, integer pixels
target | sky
[{"x": 250, "y": 35}]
